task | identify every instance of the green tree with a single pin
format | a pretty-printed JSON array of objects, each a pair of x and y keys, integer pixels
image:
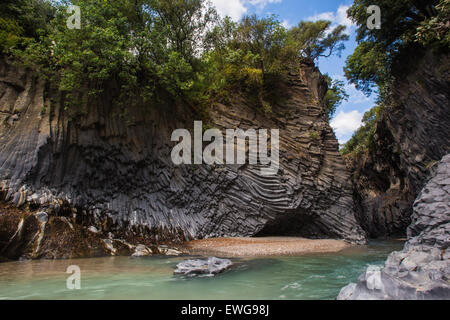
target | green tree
[
  {"x": 335, "y": 95},
  {"x": 316, "y": 39},
  {"x": 157, "y": 51},
  {"x": 436, "y": 29},
  {"x": 370, "y": 66},
  {"x": 147, "y": 50},
  {"x": 363, "y": 138},
  {"x": 264, "y": 38},
  {"x": 22, "y": 21},
  {"x": 184, "y": 22}
]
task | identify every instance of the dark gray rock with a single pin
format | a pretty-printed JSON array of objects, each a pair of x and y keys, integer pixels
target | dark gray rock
[
  {"x": 422, "y": 270},
  {"x": 411, "y": 135},
  {"x": 118, "y": 175},
  {"x": 210, "y": 266}
]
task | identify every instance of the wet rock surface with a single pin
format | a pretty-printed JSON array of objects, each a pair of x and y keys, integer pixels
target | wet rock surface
[
  {"x": 97, "y": 170},
  {"x": 210, "y": 266},
  {"x": 422, "y": 269}
]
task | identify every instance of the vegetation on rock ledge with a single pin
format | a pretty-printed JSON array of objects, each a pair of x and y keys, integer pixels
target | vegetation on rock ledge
[
  {"x": 148, "y": 52},
  {"x": 408, "y": 27}
]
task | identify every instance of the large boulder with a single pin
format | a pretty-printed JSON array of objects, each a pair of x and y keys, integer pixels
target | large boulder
[
  {"x": 210, "y": 266},
  {"x": 422, "y": 269}
]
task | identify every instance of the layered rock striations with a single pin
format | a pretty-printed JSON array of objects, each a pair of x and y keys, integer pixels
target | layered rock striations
[
  {"x": 101, "y": 168},
  {"x": 410, "y": 137},
  {"x": 422, "y": 269}
]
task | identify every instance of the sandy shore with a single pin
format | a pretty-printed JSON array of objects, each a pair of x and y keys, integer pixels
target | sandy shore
[{"x": 262, "y": 247}]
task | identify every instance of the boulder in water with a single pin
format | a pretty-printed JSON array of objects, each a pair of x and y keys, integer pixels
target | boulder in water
[
  {"x": 210, "y": 266},
  {"x": 421, "y": 271}
]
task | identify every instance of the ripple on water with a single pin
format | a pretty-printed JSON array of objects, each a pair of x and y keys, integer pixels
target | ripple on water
[{"x": 319, "y": 276}]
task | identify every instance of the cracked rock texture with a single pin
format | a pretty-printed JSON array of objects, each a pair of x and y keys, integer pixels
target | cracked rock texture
[
  {"x": 422, "y": 269},
  {"x": 112, "y": 172},
  {"x": 210, "y": 266},
  {"x": 411, "y": 135}
]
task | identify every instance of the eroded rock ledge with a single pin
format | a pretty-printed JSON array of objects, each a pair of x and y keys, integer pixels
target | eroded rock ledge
[
  {"x": 422, "y": 269},
  {"x": 114, "y": 173}
]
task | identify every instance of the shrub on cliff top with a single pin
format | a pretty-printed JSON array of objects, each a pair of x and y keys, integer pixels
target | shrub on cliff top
[
  {"x": 363, "y": 139},
  {"x": 407, "y": 28},
  {"x": 23, "y": 21},
  {"x": 147, "y": 52}
]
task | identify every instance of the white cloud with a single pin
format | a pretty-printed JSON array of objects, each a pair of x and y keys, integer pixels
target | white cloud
[
  {"x": 345, "y": 123},
  {"x": 261, "y": 3},
  {"x": 237, "y": 8},
  {"x": 286, "y": 24},
  {"x": 336, "y": 18},
  {"x": 323, "y": 16},
  {"x": 342, "y": 18},
  {"x": 355, "y": 95}
]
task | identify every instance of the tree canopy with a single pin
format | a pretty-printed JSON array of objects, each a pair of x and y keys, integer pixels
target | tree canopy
[
  {"x": 404, "y": 23},
  {"x": 151, "y": 51},
  {"x": 335, "y": 95},
  {"x": 316, "y": 39},
  {"x": 22, "y": 21},
  {"x": 407, "y": 28}
]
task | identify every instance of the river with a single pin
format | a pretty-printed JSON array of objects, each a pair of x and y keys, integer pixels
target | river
[{"x": 313, "y": 276}]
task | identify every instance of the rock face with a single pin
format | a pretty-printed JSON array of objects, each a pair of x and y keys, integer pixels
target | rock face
[
  {"x": 34, "y": 235},
  {"x": 98, "y": 168},
  {"x": 422, "y": 269},
  {"x": 211, "y": 266},
  {"x": 37, "y": 235},
  {"x": 411, "y": 136}
]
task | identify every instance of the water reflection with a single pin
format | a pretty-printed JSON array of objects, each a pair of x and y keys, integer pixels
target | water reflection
[{"x": 318, "y": 276}]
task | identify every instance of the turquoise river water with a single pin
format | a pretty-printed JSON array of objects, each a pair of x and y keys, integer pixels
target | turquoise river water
[{"x": 316, "y": 276}]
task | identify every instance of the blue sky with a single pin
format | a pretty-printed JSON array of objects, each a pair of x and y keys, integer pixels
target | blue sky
[{"x": 349, "y": 114}]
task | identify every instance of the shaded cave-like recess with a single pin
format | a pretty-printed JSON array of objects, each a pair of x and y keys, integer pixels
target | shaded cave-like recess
[{"x": 293, "y": 224}]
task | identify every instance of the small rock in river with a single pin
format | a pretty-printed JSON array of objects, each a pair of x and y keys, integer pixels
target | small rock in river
[
  {"x": 141, "y": 251},
  {"x": 211, "y": 266},
  {"x": 165, "y": 250}
]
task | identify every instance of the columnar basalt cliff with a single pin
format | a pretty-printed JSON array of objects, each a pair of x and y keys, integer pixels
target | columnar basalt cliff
[
  {"x": 98, "y": 168},
  {"x": 411, "y": 135},
  {"x": 422, "y": 269}
]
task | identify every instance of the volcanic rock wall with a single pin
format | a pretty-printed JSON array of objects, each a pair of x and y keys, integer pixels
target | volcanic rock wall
[
  {"x": 103, "y": 168},
  {"x": 421, "y": 271},
  {"x": 412, "y": 135}
]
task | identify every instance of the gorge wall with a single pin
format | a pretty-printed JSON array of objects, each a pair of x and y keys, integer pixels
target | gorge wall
[
  {"x": 103, "y": 171},
  {"x": 421, "y": 270},
  {"x": 410, "y": 137}
]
